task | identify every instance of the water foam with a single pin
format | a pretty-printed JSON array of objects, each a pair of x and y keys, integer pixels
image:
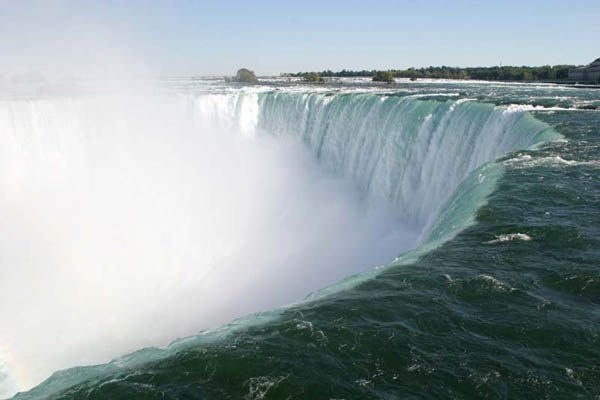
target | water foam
[
  {"x": 510, "y": 236},
  {"x": 529, "y": 161},
  {"x": 132, "y": 220}
]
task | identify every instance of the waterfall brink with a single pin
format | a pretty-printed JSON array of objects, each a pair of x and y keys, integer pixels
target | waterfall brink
[
  {"x": 410, "y": 151},
  {"x": 132, "y": 220}
]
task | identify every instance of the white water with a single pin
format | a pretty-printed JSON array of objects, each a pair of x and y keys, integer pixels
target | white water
[{"x": 129, "y": 220}]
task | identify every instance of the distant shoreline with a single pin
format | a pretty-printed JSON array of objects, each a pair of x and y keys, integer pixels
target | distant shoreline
[
  {"x": 588, "y": 85},
  {"x": 558, "y": 74}
]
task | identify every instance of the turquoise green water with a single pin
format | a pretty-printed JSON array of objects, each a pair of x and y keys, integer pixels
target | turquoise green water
[{"x": 498, "y": 300}]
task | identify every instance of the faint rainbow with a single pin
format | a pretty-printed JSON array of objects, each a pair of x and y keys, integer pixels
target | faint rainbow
[{"x": 17, "y": 372}]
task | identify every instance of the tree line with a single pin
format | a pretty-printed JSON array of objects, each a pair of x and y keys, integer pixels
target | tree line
[{"x": 499, "y": 73}]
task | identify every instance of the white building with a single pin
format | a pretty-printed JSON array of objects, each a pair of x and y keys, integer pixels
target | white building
[{"x": 588, "y": 74}]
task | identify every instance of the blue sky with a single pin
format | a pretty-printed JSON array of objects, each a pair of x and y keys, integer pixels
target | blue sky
[{"x": 217, "y": 37}]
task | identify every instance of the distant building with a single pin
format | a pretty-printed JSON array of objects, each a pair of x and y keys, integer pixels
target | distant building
[{"x": 588, "y": 74}]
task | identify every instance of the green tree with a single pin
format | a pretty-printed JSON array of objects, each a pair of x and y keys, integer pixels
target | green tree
[
  {"x": 312, "y": 77},
  {"x": 245, "y": 75},
  {"x": 384, "y": 76}
]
